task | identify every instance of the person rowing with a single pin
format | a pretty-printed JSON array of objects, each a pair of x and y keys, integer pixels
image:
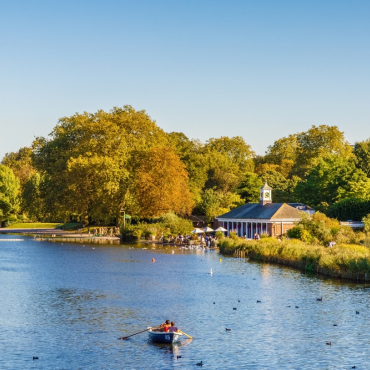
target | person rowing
[
  {"x": 173, "y": 328},
  {"x": 165, "y": 326}
]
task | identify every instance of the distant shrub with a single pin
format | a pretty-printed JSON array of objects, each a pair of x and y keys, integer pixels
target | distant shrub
[
  {"x": 233, "y": 235},
  {"x": 349, "y": 209},
  {"x": 220, "y": 235}
]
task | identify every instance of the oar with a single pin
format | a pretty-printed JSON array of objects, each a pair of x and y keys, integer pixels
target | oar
[
  {"x": 123, "y": 338},
  {"x": 185, "y": 334}
]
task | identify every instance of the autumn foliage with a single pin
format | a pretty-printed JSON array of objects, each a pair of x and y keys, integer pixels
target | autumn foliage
[{"x": 161, "y": 183}]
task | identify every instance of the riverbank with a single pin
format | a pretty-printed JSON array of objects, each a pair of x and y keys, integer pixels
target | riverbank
[
  {"x": 346, "y": 261},
  {"x": 59, "y": 235}
]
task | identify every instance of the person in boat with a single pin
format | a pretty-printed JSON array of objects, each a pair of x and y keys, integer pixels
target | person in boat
[
  {"x": 165, "y": 326},
  {"x": 172, "y": 328}
]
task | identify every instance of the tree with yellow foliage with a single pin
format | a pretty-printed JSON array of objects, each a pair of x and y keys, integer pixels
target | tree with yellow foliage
[{"x": 161, "y": 183}]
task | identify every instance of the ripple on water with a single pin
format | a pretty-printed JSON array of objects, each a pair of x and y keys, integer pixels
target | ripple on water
[{"x": 69, "y": 304}]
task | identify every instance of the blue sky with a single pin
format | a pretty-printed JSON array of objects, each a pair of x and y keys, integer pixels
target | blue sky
[{"x": 259, "y": 69}]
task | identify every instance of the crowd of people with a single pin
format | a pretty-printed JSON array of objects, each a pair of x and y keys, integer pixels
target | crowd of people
[{"x": 204, "y": 239}]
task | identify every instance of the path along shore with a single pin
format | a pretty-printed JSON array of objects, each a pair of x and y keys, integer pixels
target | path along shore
[{"x": 74, "y": 236}]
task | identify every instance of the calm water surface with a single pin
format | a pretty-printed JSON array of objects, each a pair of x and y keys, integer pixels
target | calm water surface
[{"x": 68, "y": 303}]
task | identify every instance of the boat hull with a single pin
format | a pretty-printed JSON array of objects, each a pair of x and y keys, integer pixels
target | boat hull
[{"x": 161, "y": 337}]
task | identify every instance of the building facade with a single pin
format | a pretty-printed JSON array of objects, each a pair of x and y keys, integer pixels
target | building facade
[{"x": 265, "y": 217}]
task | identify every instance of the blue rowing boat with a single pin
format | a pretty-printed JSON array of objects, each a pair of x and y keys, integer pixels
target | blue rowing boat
[{"x": 164, "y": 337}]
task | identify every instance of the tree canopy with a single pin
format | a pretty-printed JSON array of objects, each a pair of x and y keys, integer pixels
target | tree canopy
[
  {"x": 9, "y": 186},
  {"x": 93, "y": 166}
]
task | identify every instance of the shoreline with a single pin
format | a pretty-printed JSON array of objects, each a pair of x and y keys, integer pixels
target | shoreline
[
  {"x": 241, "y": 251},
  {"x": 58, "y": 235}
]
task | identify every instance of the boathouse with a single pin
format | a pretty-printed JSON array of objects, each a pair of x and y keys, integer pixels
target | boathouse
[{"x": 264, "y": 217}]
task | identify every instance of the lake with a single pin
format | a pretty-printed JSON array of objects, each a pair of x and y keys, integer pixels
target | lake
[{"x": 67, "y": 303}]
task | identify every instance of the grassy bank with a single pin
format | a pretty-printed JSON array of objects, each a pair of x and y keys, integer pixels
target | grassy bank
[
  {"x": 343, "y": 260},
  {"x": 36, "y": 225}
]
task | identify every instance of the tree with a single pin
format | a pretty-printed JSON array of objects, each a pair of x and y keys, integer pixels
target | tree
[
  {"x": 31, "y": 197},
  {"x": 95, "y": 183},
  {"x": 283, "y": 189},
  {"x": 349, "y": 209},
  {"x": 285, "y": 148},
  {"x": 366, "y": 221},
  {"x": 330, "y": 181},
  {"x": 235, "y": 149},
  {"x": 362, "y": 153},
  {"x": 214, "y": 203},
  {"x": 317, "y": 142},
  {"x": 191, "y": 154},
  {"x": 298, "y": 153},
  {"x": 9, "y": 186},
  {"x": 21, "y": 163},
  {"x": 89, "y": 161},
  {"x": 161, "y": 183},
  {"x": 249, "y": 188}
]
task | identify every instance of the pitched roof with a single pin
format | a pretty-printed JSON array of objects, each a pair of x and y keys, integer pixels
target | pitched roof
[
  {"x": 259, "y": 211},
  {"x": 266, "y": 187}
]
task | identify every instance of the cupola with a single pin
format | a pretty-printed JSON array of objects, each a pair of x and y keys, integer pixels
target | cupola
[{"x": 265, "y": 194}]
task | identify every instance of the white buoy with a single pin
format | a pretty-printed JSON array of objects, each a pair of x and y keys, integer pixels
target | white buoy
[
  {"x": 173, "y": 252},
  {"x": 211, "y": 272}
]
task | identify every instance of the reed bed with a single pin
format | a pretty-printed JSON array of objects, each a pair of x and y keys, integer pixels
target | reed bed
[{"x": 342, "y": 260}]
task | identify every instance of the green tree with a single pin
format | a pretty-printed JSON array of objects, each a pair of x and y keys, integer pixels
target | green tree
[
  {"x": 236, "y": 149},
  {"x": 191, "y": 154},
  {"x": 362, "y": 153},
  {"x": 249, "y": 188},
  {"x": 9, "y": 187},
  {"x": 283, "y": 188},
  {"x": 330, "y": 181},
  {"x": 102, "y": 146},
  {"x": 366, "y": 221},
  {"x": 20, "y": 162},
  {"x": 349, "y": 209},
  {"x": 298, "y": 153},
  {"x": 318, "y": 142},
  {"x": 285, "y": 148},
  {"x": 214, "y": 203},
  {"x": 31, "y": 197}
]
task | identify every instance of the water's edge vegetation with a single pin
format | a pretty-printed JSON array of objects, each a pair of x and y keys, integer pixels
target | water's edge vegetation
[{"x": 346, "y": 261}]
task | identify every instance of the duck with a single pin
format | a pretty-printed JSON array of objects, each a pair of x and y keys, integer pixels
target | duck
[
  {"x": 328, "y": 343},
  {"x": 258, "y": 301},
  {"x": 227, "y": 329},
  {"x": 357, "y": 312},
  {"x": 296, "y": 306},
  {"x": 335, "y": 325},
  {"x": 200, "y": 363},
  {"x": 35, "y": 358},
  {"x": 239, "y": 300},
  {"x": 178, "y": 357},
  {"x": 319, "y": 299},
  {"x": 234, "y": 308}
]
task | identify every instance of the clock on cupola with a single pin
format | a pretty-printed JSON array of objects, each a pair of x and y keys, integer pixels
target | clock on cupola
[{"x": 265, "y": 194}]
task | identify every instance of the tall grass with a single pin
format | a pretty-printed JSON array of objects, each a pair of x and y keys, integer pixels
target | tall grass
[{"x": 342, "y": 257}]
